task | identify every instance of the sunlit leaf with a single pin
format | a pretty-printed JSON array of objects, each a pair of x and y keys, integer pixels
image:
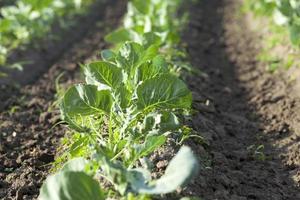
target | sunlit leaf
[
  {"x": 86, "y": 100},
  {"x": 75, "y": 165},
  {"x": 151, "y": 144},
  {"x": 119, "y": 36},
  {"x": 103, "y": 73},
  {"x": 165, "y": 91},
  {"x": 70, "y": 185},
  {"x": 180, "y": 170},
  {"x": 157, "y": 67}
]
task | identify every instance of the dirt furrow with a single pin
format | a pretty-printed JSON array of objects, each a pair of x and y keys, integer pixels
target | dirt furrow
[{"x": 242, "y": 111}]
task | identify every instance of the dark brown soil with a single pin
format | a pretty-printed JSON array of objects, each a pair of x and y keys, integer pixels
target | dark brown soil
[
  {"x": 29, "y": 136},
  {"x": 240, "y": 107}
]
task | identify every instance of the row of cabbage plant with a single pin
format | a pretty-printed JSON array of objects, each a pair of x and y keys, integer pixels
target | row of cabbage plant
[{"x": 130, "y": 105}]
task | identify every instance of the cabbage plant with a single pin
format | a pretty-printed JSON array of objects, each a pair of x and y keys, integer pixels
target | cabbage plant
[{"x": 128, "y": 107}]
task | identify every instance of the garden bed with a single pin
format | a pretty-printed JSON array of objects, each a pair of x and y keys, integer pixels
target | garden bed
[{"x": 247, "y": 116}]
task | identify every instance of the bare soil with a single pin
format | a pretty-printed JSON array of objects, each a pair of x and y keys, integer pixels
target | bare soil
[
  {"x": 248, "y": 116},
  {"x": 29, "y": 136}
]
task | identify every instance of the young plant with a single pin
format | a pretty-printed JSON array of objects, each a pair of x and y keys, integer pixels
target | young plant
[
  {"x": 122, "y": 92},
  {"x": 126, "y": 109},
  {"x": 76, "y": 181}
]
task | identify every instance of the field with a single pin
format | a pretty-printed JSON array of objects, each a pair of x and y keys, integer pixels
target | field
[{"x": 140, "y": 100}]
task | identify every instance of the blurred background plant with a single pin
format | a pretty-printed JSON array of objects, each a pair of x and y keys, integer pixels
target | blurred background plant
[{"x": 27, "y": 20}]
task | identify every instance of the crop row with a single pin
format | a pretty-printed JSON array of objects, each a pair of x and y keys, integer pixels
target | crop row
[
  {"x": 130, "y": 105},
  {"x": 28, "y": 20}
]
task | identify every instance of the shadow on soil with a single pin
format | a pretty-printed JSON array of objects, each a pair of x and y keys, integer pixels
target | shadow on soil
[{"x": 234, "y": 168}]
